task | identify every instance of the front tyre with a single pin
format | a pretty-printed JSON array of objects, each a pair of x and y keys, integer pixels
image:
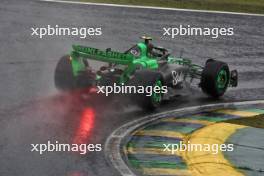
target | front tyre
[
  {"x": 215, "y": 78},
  {"x": 64, "y": 78}
]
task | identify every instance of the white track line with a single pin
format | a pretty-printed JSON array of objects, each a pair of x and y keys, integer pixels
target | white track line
[
  {"x": 112, "y": 147},
  {"x": 151, "y": 7}
]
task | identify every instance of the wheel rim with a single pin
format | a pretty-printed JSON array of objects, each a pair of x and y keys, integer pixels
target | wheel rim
[
  {"x": 156, "y": 97},
  {"x": 221, "y": 80}
]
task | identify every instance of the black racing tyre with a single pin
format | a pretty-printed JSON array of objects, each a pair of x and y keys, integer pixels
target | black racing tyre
[
  {"x": 215, "y": 78},
  {"x": 147, "y": 78},
  {"x": 64, "y": 78},
  {"x": 209, "y": 60},
  {"x": 84, "y": 80}
]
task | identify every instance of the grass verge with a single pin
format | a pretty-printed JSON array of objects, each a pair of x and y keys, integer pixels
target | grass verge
[{"x": 246, "y": 6}]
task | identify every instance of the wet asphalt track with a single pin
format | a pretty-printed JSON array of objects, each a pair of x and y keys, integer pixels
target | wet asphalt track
[{"x": 32, "y": 111}]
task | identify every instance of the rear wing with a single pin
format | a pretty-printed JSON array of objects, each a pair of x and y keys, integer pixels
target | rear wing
[{"x": 102, "y": 55}]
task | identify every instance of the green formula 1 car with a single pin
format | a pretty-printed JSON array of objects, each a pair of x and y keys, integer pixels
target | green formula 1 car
[{"x": 142, "y": 65}]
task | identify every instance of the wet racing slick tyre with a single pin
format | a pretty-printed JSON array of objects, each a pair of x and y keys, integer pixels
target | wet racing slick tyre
[
  {"x": 215, "y": 78},
  {"x": 64, "y": 78},
  {"x": 147, "y": 78}
]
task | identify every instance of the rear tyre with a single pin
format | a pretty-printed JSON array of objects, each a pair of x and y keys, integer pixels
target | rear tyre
[
  {"x": 147, "y": 78},
  {"x": 215, "y": 78},
  {"x": 64, "y": 78}
]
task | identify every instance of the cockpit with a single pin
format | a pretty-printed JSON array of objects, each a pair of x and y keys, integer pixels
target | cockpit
[{"x": 151, "y": 50}]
